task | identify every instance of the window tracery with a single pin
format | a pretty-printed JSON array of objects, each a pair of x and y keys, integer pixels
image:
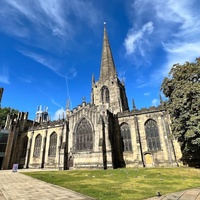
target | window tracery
[
  {"x": 37, "y": 148},
  {"x": 126, "y": 136},
  {"x": 152, "y": 135},
  {"x": 83, "y": 136},
  {"x": 105, "y": 97},
  {"x": 53, "y": 144}
]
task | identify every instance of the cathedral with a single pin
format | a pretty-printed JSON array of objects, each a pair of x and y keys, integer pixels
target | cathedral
[{"x": 101, "y": 134}]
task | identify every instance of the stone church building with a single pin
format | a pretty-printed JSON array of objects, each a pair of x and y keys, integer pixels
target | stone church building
[{"x": 102, "y": 134}]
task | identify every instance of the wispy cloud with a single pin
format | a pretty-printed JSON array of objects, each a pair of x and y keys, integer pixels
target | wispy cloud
[
  {"x": 4, "y": 74},
  {"x": 72, "y": 73},
  {"x": 50, "y": 25},
  {"x": 48, "y": 62},
  {"x": 135, "y": 39},
  {"x": 26, "y": 79},
  {"x": 173, "y": 32},
  {"x": 51, "y": 63},
  {"x": 55, "y": 103},
  {"x": 122, "y": 76},
  {"x": 147, "y": 93},
  {"x": 155, "y": 102},
  {"x": 57, "y": 18}
]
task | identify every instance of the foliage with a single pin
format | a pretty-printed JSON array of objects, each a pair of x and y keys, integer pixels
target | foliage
[
  {"x": 120, "y": 184},
  {"x": 182, "y": 88},
  {"x": 3, "y": 115}
]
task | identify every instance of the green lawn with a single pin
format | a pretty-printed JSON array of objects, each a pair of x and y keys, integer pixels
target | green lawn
[{"x": 126, "y": 183}]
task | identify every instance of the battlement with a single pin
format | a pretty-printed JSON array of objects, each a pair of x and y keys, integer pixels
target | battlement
[{"x": 151, "y": 109}]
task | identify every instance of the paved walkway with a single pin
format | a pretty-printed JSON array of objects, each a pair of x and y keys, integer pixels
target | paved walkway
[
  {"x": 17, "y": 186},
  {"x": 192, "y": 194}
]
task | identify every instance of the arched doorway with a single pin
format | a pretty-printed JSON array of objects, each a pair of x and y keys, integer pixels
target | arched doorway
[{"x": 148, "y": 158}]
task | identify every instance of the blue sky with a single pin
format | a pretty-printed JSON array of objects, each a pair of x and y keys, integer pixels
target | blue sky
[{"x": 50, "y": 49}]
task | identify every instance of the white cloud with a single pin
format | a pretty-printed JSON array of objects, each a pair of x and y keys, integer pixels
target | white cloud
[
  {"x": 41, "y": 16},
  {"x": 4, "y": 79},
  {"x": 58, "y": 114},
  {"x": 51, "y": 63},
  {"x": 147, "y": 93},
  {"x": 55, "y": 103},
  {"x": 4, "y": 75},
  {"x": 155, "y": 102},
  {"x": 174, "y": 34},
  {"x": 26, "y": 79},
  {"x": 49, "y": 25},
  {"x": 135, "y": 39},
  {"x": 122, "y": 76},
  {"x": 57, "y": 17},
  {"x": 72, "y": 73},
  {"x": 48, "y": 62}
]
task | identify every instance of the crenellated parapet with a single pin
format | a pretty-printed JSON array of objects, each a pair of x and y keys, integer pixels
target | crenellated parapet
[
  {"x": 151, "y": 109},
  {"x": 47, "y": 125},
  {"x": 84, "y": 105}
]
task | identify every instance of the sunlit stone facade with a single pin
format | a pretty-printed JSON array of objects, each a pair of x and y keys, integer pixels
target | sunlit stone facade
[{"x": 103, "y": 134}]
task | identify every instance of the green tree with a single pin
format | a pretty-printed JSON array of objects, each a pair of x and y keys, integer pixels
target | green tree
[
  {"x": 3, "y": 115},
  {"x": 182, "y": 88}
]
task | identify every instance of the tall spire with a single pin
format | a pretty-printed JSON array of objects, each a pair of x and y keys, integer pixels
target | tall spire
[
  {"x": 133, "y": 104},
  {"x": 107, "y": 64},
  {"x": 93, "y": 79},
  {"x": 161, "y": 100}
]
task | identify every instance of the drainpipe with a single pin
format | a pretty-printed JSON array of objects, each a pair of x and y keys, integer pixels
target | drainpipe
[
  {"x": 28, "y": 152},
  {"x": 167, "y": 140},
  {"x": 139, "y": 139}
]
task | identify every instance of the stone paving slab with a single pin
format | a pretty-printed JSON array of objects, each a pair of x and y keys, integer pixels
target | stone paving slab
[
  {"x": 192, "y": 194},
  {"x": 17, "y": 186}
]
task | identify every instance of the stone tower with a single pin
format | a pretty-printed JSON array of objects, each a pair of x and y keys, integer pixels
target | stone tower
[
  {"x": 42, "y": 115},
  {"x": 108, "y": 92}
]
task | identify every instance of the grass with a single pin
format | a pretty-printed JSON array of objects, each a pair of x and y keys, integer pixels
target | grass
[{"x": 120, "y": 184}]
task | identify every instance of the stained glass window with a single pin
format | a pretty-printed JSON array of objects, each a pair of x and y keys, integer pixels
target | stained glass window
[
  {"x": 37, "y": 148},
  {"x": 126, "y": 136},
  {"x": 53, "y": 144},
  {"x": 83, "y": 136},
  {"x": 153, "y": 140}
]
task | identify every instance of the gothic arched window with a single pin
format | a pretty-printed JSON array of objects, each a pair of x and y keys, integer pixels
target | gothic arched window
[
  {"x": 153, "y": 140},
  {"x": 37, "y": 148},
  {"x": 53, "y": 144},
  {"x": 105, "y": 97},
  {"x": 83, "y": 136},
  {"x": 126, "y": 136}
]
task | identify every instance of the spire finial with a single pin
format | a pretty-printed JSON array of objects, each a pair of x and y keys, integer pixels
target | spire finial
[
  {"x": 68, "y": 104},
  {"x": 104, "y": 26},
  {"x": 161, "y": 100},
  {"x": 133, "y": 104}
]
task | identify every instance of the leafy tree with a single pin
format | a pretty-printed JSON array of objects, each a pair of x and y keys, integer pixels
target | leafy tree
[
  {"x": 182, "y": 87},
  {"x": 3, "y": 115}
]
